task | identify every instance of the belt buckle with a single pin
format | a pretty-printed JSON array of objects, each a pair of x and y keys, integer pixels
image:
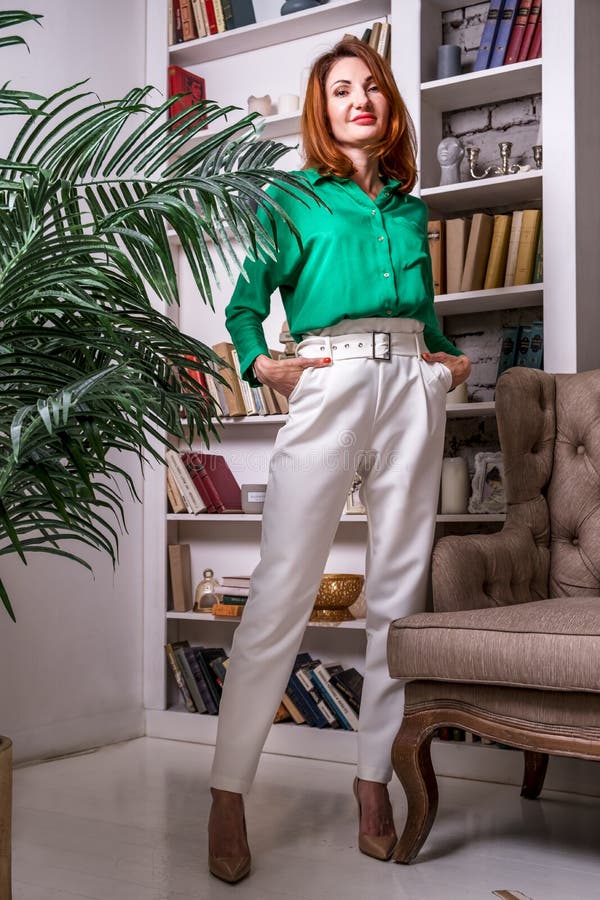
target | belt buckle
[{"x": 388, "y": 350}]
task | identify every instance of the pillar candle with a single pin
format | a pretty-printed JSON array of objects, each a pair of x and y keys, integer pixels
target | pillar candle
[{"x": 455, "y": 485}]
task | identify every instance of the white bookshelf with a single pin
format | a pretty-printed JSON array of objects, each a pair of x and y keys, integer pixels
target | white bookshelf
[
  {"x": 222, "y": 519},
  {"x": 571, "y": 313}
]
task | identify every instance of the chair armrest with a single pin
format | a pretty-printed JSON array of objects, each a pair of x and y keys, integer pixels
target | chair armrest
[{"x": 481, "y": 570}]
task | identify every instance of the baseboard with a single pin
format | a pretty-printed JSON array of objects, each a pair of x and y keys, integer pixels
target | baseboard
[
  {"x": 47, "y": 741},
  {"x": 478, "y": 762}
]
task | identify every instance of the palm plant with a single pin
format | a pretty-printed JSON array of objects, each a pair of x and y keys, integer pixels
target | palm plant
[{"x": 88, "y": 365}]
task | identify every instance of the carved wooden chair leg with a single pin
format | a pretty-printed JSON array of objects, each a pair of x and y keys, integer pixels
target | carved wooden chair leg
[
  {"x": 534, "y": 774},
  {"x": 411, "y": 758}
]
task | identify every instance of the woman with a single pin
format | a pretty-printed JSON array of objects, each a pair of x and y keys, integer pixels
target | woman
[{"x": 365, "y": 387}]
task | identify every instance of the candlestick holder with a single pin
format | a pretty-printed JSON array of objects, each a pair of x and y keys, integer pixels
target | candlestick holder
[
  {"x": 537, "y": 155},
  {"x": 505, "y": 168}
]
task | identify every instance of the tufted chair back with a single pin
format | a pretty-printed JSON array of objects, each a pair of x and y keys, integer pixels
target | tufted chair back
[{"x": 549, "y": 428}]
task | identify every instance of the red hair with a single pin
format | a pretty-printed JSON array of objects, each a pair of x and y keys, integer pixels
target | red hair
[{"x": 396, "y": 150}]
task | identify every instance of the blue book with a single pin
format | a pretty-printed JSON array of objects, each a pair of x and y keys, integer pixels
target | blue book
[
  {"x": 530, "y": 348},
  {"x": 488, "y": 37},
  {"x": 505, "y": 23}
]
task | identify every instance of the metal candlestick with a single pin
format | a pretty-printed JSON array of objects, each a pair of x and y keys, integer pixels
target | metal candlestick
[
  {"x": 504, "y": 169},
  {"x": 537, "y": 155}
]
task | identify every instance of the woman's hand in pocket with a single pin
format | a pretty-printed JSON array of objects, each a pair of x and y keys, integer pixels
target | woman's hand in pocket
[
  {"x": 460, "y": 366},
  {"x": 283, "y": 374}
]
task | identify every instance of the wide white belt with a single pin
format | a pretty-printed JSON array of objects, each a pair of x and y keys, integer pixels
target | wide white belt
[{"x": 372, "y": 344}]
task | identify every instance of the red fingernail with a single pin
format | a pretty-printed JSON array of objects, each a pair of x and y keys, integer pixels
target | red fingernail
[{"x": 326, "y": 359}]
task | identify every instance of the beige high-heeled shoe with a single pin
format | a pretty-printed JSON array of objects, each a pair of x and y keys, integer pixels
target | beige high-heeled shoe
[
  {"x": 377, "y": 846},
  {"x": 230, "y": 868}
]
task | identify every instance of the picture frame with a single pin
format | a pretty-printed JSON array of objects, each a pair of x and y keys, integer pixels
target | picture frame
[{"x": 487, "y": 488}]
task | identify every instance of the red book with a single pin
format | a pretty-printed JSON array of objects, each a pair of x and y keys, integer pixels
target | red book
[
  {"x": 211, "y": 18},
  {"x": 181, "y": 81},
  {"x": 517, "y": 32},
  {"x": 199, "y": 476},
  {"x": 223, "y": 481},
  {"x": 535, "y": 51},
  {"x": 178, "y": 21},
  {"x": 534, "y": 14}
]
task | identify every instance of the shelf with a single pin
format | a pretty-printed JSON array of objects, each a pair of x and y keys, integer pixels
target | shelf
[
  {"x": 489, "y": 86},
  {"x": 221, "y": 518},
  {"x": 494, "y": 298},
  {"x": 208, "y": 617},
  {"x": 471, "y": 410},
  {"x": 503, "y": 190},
  {"x": 273, "y": 126},
  {"x": 277, "y": 31}
]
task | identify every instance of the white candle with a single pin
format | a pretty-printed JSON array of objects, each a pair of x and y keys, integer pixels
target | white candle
[{"x": 455, "y": 485}]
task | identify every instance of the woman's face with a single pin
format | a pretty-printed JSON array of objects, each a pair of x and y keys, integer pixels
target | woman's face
[{"x": 357, "y": 110}]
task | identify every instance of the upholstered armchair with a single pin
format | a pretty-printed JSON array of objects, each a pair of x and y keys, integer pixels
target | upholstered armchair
[{"x": 512, "y": 651}]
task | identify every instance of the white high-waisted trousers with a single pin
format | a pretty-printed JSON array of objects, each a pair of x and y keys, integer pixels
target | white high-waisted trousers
[{"x": 393, "y": 411}]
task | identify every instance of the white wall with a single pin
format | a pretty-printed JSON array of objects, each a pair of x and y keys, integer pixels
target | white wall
[{"x": 71, "y": 668}]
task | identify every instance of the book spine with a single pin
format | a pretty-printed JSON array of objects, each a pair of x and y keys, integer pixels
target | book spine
[
  {"x": 538, "y": 266},
  {"x": 197, "y": 472},
  {"x": 535, "y": 51},
  {"x": 207, "y": 482},
  {"x": 340, "y": 701},
  {"x": 189, "y": 492},
  {"x": 208, "y": 679},
  {"x": 188, "y": 26},
  {"x": 508, "y": 349},
  {"x": 170, "y": 24},
  {"x": 178, "y": 674},
  {"x": 309, "y": 686},
  {"x": 488, "y": 36},
  {"x": 293, "y": 710},
  {"x": 530, "y": 345},
  {"x": 174, "y": 494},
  {"x": 496, "y": 267},
  {"x": 299, "y": 697},
  {"x": 527, "y": 246},
  {"x": 513, "y": 247},
  {"x": 534, "y": 14},
  {"x": 180, "y": 572},
  {"x": 231, "y": 610},
  {"x": 346, "y": 692},
  {"x": 199, "y": 18},
  {"x": 220, "y": 18},
  {"x": 324, "y": 686},
  {"x": 435, "y": 238},
  {"x": 303, "y": 679},
  {"x": 505, "y": 25},
  {"x": 227, "y": 8},
  {"x": 196, "y": 676},
  {"x": 178, "y": 22},
  {"x": 518, "y": 32},
  {"x": 211, "y": 18}
]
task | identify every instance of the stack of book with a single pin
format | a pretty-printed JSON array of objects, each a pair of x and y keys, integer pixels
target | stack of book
[
  {"x": 232, "y": 593},
  {"x": 486, "y": 252},
  {"x": 192, "y": 19},
  {"x": 512, "y": 33},
  {"x": 237, "y": 397},
  {"x": 318, "y": 695},
  {"x": 323, "y": 695},
  {"x": 201, "y": 483},
  {"x": 522, "y": 345},
  {"x": 378, "y": 36}
]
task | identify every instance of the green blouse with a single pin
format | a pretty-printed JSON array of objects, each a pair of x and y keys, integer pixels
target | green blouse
[{"x": 359, "y": 257}]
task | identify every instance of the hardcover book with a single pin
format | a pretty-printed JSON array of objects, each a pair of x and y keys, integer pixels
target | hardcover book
[
  {"x": 338, "y": 704},
  {"x": 478, "y": 248},
  {"x": 513, "y": 247},
  {"x": 508, "y": 349},
  {"x": 350, "y": 683},
  {"x": 435, "y": 238},
  {"x": 505, "y": 24},
  {"x": 530, "y": 345},
  {"x": 179, "y": 651},
  {"x": 179, "y": 679},
  {"x": 193, "y": 90},
  {"x": 496, "y": 267},
  {"x": 518, "y": 32},
  {"x": 527, "y": 245},
  {"x": 488, "y": 36},
  {"x": 188, "y": 24},
  {"x": 534, "y": 14},
  {"x": 222, "y": 480},
  {"x": 233, "y": 394},
  {"x": 457, "y": 239},
  {"x": 199, "y": 475},
  {"x": 180, "y": 571},
  {"x": 199, "y": 18},
  {"x": 242, "y": 13},
  {"x": 192, "y": 499},
  {"x": 304, "y": 677}
]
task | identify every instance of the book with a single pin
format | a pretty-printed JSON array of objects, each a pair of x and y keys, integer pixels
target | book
[
  {"x": 375, "y": 33},
  {"x": 349, "y": 682},
  {"x": 435, "y": 239},
  {"x": 488, "y": 35},
  {"x": 236, "y": 580},
  {"x": 222, "y": 481},
  {"x": 339, "y": 705},
  {"x": 496, "y": 266},
  {"x": 534, "y": 14},
  {"x": 180, "y": 572},
  {"x": 383, "y": 45},
  {"x": 530, "y": 345},
  {"x": 204, "y": 655},
  {"x": 527, "y": 246},
  {"x": 298, "y": 695},
  {"x": 188, "y": 23},
  {"x": 242, "y": 13},
  {"x": 538, "y": 265},
  {"x": 505, "y": 24},
  {"x": 199, "y": 475},
  {"x": 293, "y": 710},
  {"x": 478, "y": 248},
  {"x": 174, "y": 495},
  {"x": 188, "y": 675},
  {"x": 208, "y": 9},
  {"x": 196, "y": 684},
  {"x": 317, "y": 719},
  {"x": 219, "y": 666},
  {"x": 518, "y": 32},
  {"x": 366, "y": 35},
  {"x": 192, "y": 499},
  {"x": 219, "y": 16},
  {"x": 233, "y": 590},
  {"x": 457, "y": 239},
  {"x": 535, "y": 50},
  {"x": 170, "y": 24},
  {"x": 231, "y": 600},
  {"x": 245, "y": 387},
  {"x": 199, "y": 18},
  {"x": 178, "y": 26},
  {"x": 304, "y": 677},
  {"x": 513, "y": 247},
  {"x": 227, "y": 7},
  {"x": 179, "y": 679},
  {"x": 192, "y": 87},
  {"x": 227, "y": 610},
  {"x": 508, "y": 349},
  {"x": 233, "y": 392}
]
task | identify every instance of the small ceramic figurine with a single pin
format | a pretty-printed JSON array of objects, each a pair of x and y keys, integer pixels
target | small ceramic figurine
[
  {"x": 260, "y": 105},
  {"x": 205, "y": 594},
  {"x": 450, "y": 152}
]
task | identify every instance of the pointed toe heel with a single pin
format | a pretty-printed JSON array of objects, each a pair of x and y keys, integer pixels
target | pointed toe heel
[
  {"x": 229, "y": 868},
  {"x": 378, "y": 847}
]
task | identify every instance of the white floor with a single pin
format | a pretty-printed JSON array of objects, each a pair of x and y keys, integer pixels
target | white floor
[{"x": 128, "y": 822}]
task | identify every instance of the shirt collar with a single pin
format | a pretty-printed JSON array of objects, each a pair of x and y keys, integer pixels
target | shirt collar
[{"x": 315, "y": 177}]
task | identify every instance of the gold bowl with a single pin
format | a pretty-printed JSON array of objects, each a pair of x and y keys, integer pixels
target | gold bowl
[{"x": 337, "y": 592}]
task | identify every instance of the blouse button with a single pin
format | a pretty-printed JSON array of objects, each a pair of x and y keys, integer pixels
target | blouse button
[
  {"x": 388, "y": 312},
  {"x": 386, "y": 274},
  {"x": 373, "y": 212},
  {"x": 381, "y": 238}
]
